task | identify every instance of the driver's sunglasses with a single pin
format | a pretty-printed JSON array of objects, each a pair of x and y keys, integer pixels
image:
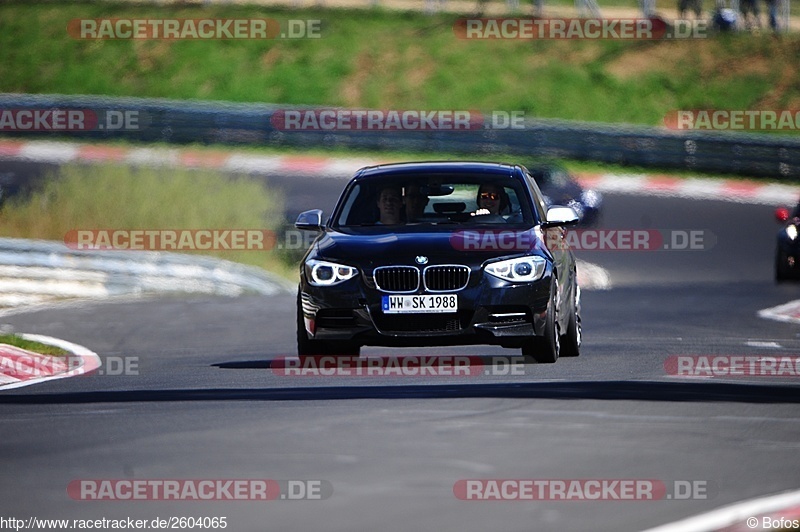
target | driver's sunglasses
[{"x": 490, "y": 196}]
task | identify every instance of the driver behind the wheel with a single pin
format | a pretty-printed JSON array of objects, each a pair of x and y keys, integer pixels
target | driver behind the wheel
[{"x": 492, "y": 200}]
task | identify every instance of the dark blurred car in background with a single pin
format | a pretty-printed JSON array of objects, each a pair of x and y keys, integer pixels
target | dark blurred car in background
[
  {"x": 559, "y": 187},
  {"x": 787, "y": 253}
]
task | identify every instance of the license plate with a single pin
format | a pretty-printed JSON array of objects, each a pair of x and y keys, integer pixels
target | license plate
[{"x": 419, "y": 304}]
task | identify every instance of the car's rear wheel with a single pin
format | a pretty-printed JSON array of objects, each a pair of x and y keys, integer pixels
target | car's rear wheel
[
  {"x": 306, "y": 347},
  {"x": 546, "y": 348},
  {"x": 571, "y": 340}
]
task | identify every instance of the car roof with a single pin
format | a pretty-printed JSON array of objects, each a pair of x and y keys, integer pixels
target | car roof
[{"x": 438, "y": 167}]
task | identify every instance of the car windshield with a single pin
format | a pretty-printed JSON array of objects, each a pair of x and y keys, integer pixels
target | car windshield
[{"x": 392, "y": 202}]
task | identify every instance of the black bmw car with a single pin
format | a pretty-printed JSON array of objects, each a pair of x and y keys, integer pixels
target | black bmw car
[
  {"x": 787, "y": 254},
  {"x": 439, "y": 253}
]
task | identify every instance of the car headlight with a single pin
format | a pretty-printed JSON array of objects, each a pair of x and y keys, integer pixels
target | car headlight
[
  {"x": 591, "y": 198},
  {"x": 791, "y": 231},
  {"x": 523, "y": 269},
  {"x": 324, "y": 273}
]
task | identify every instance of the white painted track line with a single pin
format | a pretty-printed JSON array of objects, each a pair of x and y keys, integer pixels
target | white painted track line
[{"x": 733, "y": 514}]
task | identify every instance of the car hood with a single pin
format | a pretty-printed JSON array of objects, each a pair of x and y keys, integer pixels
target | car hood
[{"x": 471, "y": 246}]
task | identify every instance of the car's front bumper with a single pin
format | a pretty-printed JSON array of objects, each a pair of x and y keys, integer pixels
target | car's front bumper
[{"x": 491, "y": 311}]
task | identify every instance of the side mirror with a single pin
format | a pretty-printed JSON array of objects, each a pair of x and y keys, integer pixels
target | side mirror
[
  {"x": 781, "y": 214},
  {"x": 310, "y": 221},
  {"x": 558, "y": 216}
]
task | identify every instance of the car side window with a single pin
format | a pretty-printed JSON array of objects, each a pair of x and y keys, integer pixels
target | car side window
[{"x": 539, "y": 205}]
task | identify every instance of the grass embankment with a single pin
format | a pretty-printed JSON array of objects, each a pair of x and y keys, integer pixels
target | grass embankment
[
  {"x": 112, "y": 198},
  {"x": 36, "y": 347},
  {"x": 394, "y": 60}
]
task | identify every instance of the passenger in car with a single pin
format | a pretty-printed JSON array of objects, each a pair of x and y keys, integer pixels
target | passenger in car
[{"x": 390, "y": 202}]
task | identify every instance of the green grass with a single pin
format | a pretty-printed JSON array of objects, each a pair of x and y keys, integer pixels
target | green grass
[
  {"x": 386, "y": 59},
  {"x": 111, "y": 197},
  {"x": 36, "y": 347}
]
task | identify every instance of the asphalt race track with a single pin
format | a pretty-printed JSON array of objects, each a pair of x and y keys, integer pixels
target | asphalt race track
[{"x": 206, "y": 405}]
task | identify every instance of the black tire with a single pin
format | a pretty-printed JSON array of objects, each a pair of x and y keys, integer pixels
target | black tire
[
  {"x": 546, "y": 348},
  {"x": 307, "y": 347},
  {"x": 780, "y": 272},
  {"x": 571, "y": 339}
]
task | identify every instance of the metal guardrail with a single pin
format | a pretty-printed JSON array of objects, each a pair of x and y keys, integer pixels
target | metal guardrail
[
  {"x": 174, "y": 121},
  {"x": 32, "y": 271}
]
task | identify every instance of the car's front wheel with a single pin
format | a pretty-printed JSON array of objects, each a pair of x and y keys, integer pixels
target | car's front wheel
[
  {"x": 546, "y": 348},
  {"x": 571, "y": 339}
]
